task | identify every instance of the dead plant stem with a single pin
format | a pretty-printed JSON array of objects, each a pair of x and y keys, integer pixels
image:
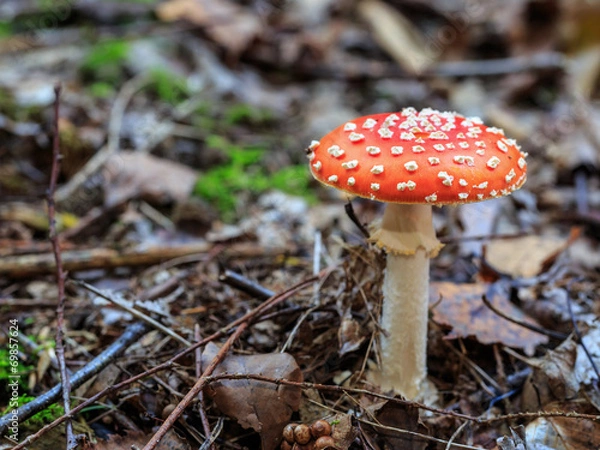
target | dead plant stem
[
  {"x": 60, "y": 274},
  {"x": 203, "y": 418}
]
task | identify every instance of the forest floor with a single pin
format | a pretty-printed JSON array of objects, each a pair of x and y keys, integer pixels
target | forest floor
[{"x": 209, "y": 292}]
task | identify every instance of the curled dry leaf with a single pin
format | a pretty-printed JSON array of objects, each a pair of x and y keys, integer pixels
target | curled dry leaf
[
  {"x": 264, "y": 407},
  {"x": 584, "y": 369},
  {"x": 563, "y": 372},
  {"x": 553, "y": 377},
  {"x": 564, "y": 433},
  {"x": 516, "y": 441},
  {"x": 461, "y": 307},
  {"x": 342, "y": 431},
  {"x": 349, "y": 335}
]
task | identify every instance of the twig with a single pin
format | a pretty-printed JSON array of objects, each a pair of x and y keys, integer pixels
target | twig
[
  {"x": 580, "y": 178},
  {"x": 455, "y": 435},
  {"x": 201, "y": 412},
  {"x": 107, "y": 258},
  {"x": 297, "y": 326},
  {"x": 243, "y": 284},
  {"x": 27, "y": 303},
  {"x": 377, "y": 70},
  {"x": 580, "y": 338},
  {"x": 202, "y": 381},
  {"x": 128, "y": 90},
  {"x": 134, "y": 312},
  {"x": 529, "y": 326},
  {"x": 500, "y": 66},
  {"x": 248, "y": 317},
  {"x": 478, "y": 373},
  {"x": 352, "y": 216},
  {"x": 60, "y": 274},
  {"x": 317, "y": 250},
  {"x": 209, "y": 444},
  {"x": 484, "y": 237},
  {"x": 131, "y": 334}
]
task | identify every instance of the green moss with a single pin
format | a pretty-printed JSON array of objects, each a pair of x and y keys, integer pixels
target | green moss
[
  {"x": 104, "y": 61},
  {"x": 293, "y": 180},
  {"x": 6, "y": 29},
  {"x": 101, "y": 89},
  {"x": 169, "y": 87},
  {"x": 42, "y": 418},
  {"x": 6, "y": 370},
  {"x": 242, "y": 113},
  {"x": 244, "y": 173}
]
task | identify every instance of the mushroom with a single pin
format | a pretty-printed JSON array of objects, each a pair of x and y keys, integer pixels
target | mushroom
[{"x": 413, "y": 160}]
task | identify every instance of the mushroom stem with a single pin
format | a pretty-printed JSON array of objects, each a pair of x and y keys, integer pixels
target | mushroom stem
[
  {"x": 404, "y": 319},
  {"x": 408, "y": 236}
]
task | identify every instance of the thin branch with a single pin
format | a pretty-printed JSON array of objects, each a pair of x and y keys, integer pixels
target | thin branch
[
  {"x": 60, "y": 274},
  {"x": 354, "y": 218},
  {"x": 126, "y": 93},
  {"x": 203, "y": 418},
  {"x": 580, "y": 340},
  {"x": 455, "y": 435},
  {"x": 484, "y": 237},
  {"x": 106, "y": 258},
  {"x": 529, "y": 326},
  {"x": 243, "y": 284},
  {"x": 134, "y": 312}
]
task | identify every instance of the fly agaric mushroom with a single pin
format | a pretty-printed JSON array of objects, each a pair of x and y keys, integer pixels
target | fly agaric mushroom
[{"x": 413, "y": 160}]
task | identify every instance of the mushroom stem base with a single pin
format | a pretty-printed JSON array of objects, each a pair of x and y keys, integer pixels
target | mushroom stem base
[{"x": 404, "y": 319}]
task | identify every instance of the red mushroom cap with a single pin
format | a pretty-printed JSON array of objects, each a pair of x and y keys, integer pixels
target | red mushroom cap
[{"x": 423, "y": 156}]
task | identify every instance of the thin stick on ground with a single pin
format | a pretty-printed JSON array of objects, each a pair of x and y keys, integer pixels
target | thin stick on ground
[
  {"x": 60, "y": 274},
  {"x": 134, "y": 312},
  {"x": 529, "y": 326},
  {"x": 201, "y": 412}
]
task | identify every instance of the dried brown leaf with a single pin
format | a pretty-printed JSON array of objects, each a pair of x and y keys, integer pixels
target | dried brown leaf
[
  {"x": 462, "y": 309},
  {"x": 133, "y": 174},
  {"x": 563, "y": 372},
  {"x": 553, "y": 377},
  {"x": 349, "y": 335},
  {"x": 524, "y": 257},
  {"x": 395, "y": 416},
  {"x": 226, "y": 22},
  {"x": 342, "y": 431},
  {"x": 264, "y": 407},
  {"x": 516, "y": 440},
  {"x": 564, "y": 433},
  {"x": 171, "y": 441}
]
